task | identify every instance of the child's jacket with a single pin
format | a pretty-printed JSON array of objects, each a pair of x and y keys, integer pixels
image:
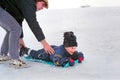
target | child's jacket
[{"x": 59, "y": 57}]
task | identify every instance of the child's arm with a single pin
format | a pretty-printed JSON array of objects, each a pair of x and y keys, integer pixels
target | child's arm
[
  {"x": 78, "y": 55},
  {"x": 58, "y": 60},
  {"x": 63, "y": 61}
]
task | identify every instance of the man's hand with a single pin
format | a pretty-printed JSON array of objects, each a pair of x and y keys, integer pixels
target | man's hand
[
  {"x": 47, "y": 47},
  {"x": 21, "y": 43}
]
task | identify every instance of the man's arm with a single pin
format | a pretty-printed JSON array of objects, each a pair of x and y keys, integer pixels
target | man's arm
[{"x": 29, "y": 12}]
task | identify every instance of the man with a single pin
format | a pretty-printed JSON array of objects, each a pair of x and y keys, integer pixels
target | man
[{"x": 12, "y": 13}]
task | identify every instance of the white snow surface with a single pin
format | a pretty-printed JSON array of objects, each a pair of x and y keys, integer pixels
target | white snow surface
[{"x": 98, "y": 36}]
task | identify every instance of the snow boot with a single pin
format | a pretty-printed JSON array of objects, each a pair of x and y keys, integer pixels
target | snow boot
[
  {"x": 17, "y": 63},
  {"x": 23, "y": 51},
  {"x": 4, "y": 58}
]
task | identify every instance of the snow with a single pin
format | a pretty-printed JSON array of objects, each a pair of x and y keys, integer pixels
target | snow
[{"x": 98, "y": 35}]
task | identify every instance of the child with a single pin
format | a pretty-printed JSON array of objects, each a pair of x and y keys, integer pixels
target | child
[{"x": 63, "y": 54}]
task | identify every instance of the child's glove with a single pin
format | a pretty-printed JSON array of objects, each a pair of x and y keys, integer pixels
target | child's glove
[
  {"x": 75, "y": 55},
  {"x": 80, "y": 57},
  {"x": 71, "y": 62},
  {"x": 66, "y": 60}
]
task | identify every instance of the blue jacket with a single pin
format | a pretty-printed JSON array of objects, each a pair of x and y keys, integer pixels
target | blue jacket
[
  {"x": 60, "y": 52},
  {"x": 59, "y": 58}
]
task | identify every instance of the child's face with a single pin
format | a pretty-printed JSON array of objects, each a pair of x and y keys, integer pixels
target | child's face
[
  {"x": 71, "y": 50},
  {"x": 40, "y": 5}
]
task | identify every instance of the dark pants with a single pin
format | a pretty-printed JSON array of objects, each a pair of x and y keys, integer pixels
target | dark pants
[{"x": 40, "y": 54}]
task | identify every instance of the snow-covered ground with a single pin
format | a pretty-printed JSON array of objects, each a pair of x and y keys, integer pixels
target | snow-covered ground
[{"x": 98, "y": 35}]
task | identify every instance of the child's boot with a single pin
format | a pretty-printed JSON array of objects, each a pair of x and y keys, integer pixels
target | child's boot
[{"x": 23, "y": 51}]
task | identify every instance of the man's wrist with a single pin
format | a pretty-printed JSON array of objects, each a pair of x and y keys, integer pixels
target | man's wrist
[{"x": 43, "y": 42}]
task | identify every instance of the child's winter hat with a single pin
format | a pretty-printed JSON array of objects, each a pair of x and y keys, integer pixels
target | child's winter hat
[{"x": 69, "y": 39}]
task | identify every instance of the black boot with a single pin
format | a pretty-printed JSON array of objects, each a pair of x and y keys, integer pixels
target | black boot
[{"x": 23, "y": 50}]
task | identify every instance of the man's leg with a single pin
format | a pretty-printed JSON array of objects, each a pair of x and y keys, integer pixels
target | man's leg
[
  {"x": 4, "y": 46},
  {"x": 13, "y": 31}
]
